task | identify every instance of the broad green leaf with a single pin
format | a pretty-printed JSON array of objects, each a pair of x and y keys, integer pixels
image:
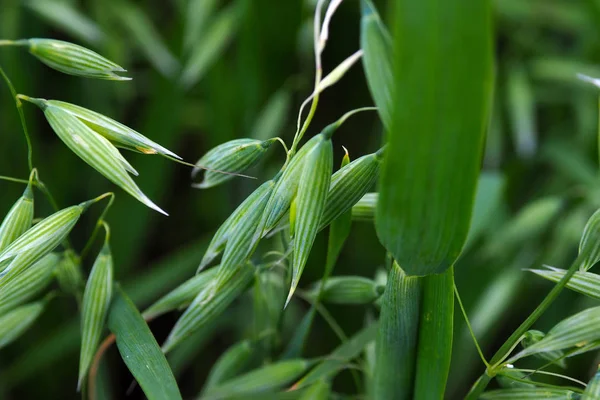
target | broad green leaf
[
  {"x": 72, "y": 59},
  {"x": 592, "y": 390},
  {"x": 17, "y": 321},
  {"x": 64, "y": 16},
  {"x": 146, "y": 37},
  {"x": 576, "y": 331},
  {"x": 29, "y": 284},
  {"x": 398, "y": 336},
  {"x": 435, "y": 335},
  {"x": 234, "y": 156},
  {"x": 234, "y": 360},
  {"x": 182, "y": 295},
  {"x": 311, "y": 199},
  {"x": 347, "y": 290},
  {"x": 139, "y": 350},
  {"x": 96, "y": 302},
  {"x": 582, "y": 282},
  {"x": 208, "y": 305},
  {"x": 94, "y": 149},
  {"x": 376, "y": 44},
  {"x": 18, "y": 219},
  {"x": 339, "y": 358},
  {"x": 213, "y": 43},
  {"x": 119, "y": 134},
  {"x": 264, "y": 379},
  {"x": 529, "y": 393},
  {"x": 434, "y": 142}
]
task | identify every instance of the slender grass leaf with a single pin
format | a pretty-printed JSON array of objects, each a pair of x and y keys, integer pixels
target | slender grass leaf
[
  {"x": 429, "y": 174},
  {"x": 235, "y": 156},
  {"x": 312, "y": 196},
  {"x": 338, "y": 72},
  {"x": 198, "y": 12},
  {"x": 398, "y": 333},
  {"x": 95, "y": 150},
  {"x": 592, "y": 390},
  {"x": 66, "y": 17},
  {"x": 265, "y": 379},
  {"x": 146, "y": 37},
  {"x": 211, "y": 46},
  {"x": 208, "y": 305},
  {"x": 273, "y": 116},
  {"x": 529, "y": 393},
  {"x": 18, "y": 219},
  {"x": 72, "y": 59},
  {"x": 182, "y": 295},
  {"x": 582, "y": 282},
  {"x": 234, "y": 360},
  {"x": 347, "y": 290},
  {"x": 117, "y": 133},
  {"x": 69, "y": 274},
  {"x": 17, "y": 321},
  {"x": 318, "y": 391},
  {"x": 139, "y": 350},
  {"x": 590, "y": 241},
  {"x": 521, "y": 107},
  {"x": 340, "y": 357},
  {"x": 487, "y": 201},
  {"x": 96, "y": 303},
  {"x": 576, "y": 331},
  {"x": 244, "y": 238},
  {"x": 531, "y": 337},
  {"x": 507, "y": 379},
  {"x": 29, "y": 284},
  {"x": 435, "y": 335},
  {"x": 376, "y": 44}
]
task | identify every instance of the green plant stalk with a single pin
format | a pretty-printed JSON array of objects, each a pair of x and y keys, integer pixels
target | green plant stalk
[
  {"x": 19, "y": 106},
  {"x": 509, "y": 344},
  {"x": 99, "y": 223},
  {"x": 434, "y": 350}
]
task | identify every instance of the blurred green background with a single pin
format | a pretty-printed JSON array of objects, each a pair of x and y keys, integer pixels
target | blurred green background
[{"x": 208, "y": 71}]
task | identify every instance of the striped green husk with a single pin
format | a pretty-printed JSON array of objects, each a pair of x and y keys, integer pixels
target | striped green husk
[
  {"x": 120, "y": 135},
  {"x": 30, "y": 283},
  {"x": 95, "y": 150},
  {"x": 69, "y": 274},
  {"x": 556, "y": 357},
  {"x": 376, "y": 43},
  {"x": 582, "y": 282},
  {"x": 576, "y": 331},
  {"x": 38, "y": 241},
  {"x": 18, "y": 219},
  {"x": 364, "y": 209},
  {"x": 397, "y": 339},
  {"x": 435, "y": 335},
  {"x": 591, "y": 238},
  {"x": 234, "y": 360},
  {"x": 347, "y": 290},
  {"x": 17, "y": 321},
  {"x": 264, "y": 379},
  {"x": 96, "y": 302},
  {"x": 529, "y": 393},
  {"x": 592, "y": 390},
  {"x": 72, "y": 59},
  {"x": 287, "y": 185},
  {"x": 182, "y": 295},
  {"x": 245, "y": 235},
  {"x": 349, "y": 185},
  {"x": 207, "y": 306},
  {"x": 310, "y": 202},
  {"x": 235, "y": 156}
]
